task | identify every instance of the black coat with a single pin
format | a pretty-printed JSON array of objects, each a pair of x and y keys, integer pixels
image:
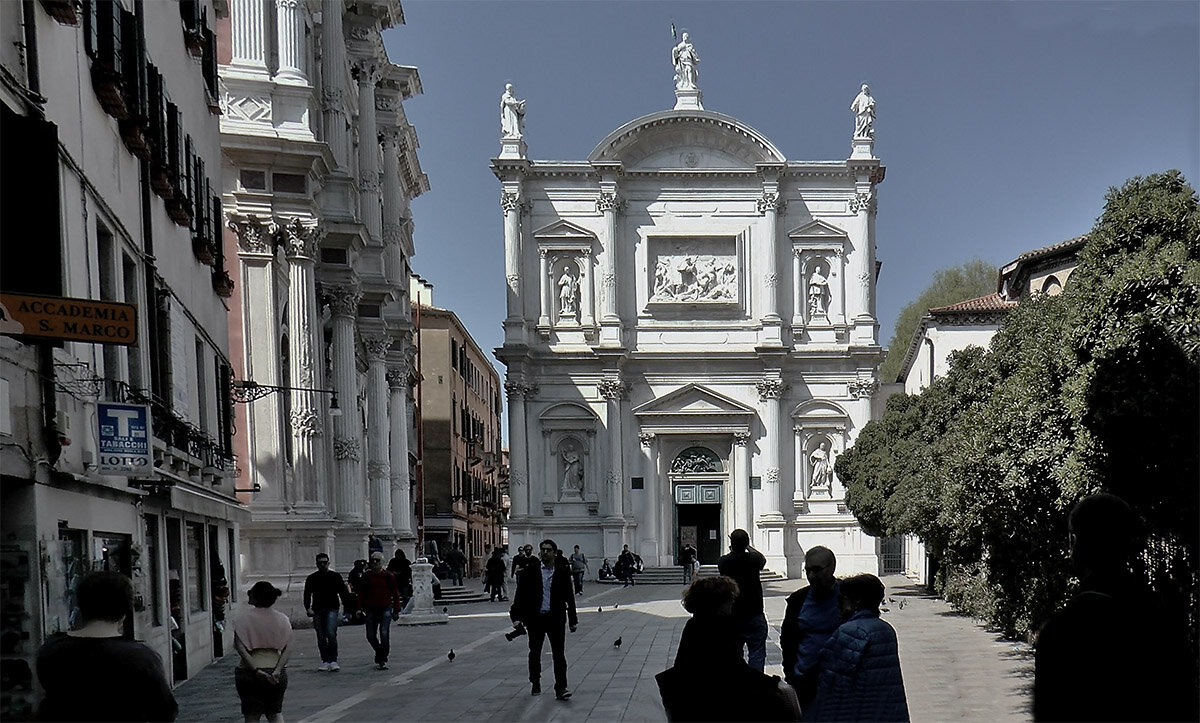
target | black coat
[{"x": 527, "y": 601}]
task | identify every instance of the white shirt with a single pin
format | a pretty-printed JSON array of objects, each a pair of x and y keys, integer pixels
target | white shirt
[{"x": 547, "y": 577}]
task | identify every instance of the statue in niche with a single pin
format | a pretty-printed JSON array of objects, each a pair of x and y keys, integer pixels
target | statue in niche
[
  {"x": 864, "y": 111},
  {"x": 572, "y": 471},
  {"x": 512, "y": 114},
  {"x": 685, "y": 59},
  {"x": 822, "y": 468},
  {"x": 694, "y": 278},
  {"x": 818, "y": 294},
  {"x": 567, "y": 288}
]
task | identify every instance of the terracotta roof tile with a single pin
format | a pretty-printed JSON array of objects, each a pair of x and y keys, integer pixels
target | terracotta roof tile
[{"x": 991, "y": 302}]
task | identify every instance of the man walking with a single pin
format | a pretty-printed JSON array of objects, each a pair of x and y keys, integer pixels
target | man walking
[
  {"x": 323, "y": 591},
  {"x": 379, "y": 599},
  {"x": 743, "y": 564},
  {"x": 687, "y": 559},
  {"x": 458, "y": 563},
  {"x": 579, "y": 566},
  {"x": 545, "y": 604},
  {"x": 809, "y": 620},
  {"x": 523, "y": 557}
]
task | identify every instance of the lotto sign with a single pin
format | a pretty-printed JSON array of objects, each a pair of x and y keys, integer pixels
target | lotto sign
[{"x": 125, "y": 446}]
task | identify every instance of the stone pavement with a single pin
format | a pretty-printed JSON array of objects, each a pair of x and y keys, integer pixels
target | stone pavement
[{"x": 953, "y": 668}]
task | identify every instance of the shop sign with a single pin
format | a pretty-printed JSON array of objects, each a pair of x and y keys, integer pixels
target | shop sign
[
  {"x": 125, "y": 439},
  {"x": 54, "y": 317}
]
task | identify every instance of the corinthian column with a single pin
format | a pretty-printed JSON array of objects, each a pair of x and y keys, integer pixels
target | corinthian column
[
  {"x": 333, "y": 71},
  {"x": 289, "y": 34},
  {"x": 770, "y": 389},
  {"x": 862, "y": 270},
  {"x": 609, "y": 203},
  {"x": 378, "y": 396},
  {"x": 768, "y": 205},
  {"x": 347, "y": 444},
  {"x": 392, "y": 230},
  {"x": 300, "y": 243},
  {"x": 248, "y": 27},
  {"x": 367, "y": 73},
  {"x": 397, "y": 378},
  {"x": 510, "y": 202},
  {"x": 518, "y": 454},
  {"x": 613, "y": 391}
]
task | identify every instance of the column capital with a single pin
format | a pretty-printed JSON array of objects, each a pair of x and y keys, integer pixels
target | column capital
[
  {"x": 389, "y": 135},
  {"x": 509, "y": 201},
  {"x": 863, "y": 388},
  {"x": 255, "y": 235},
  {"x": 306, "y": 423},
  {"x": 519, "y": 390},
  {"x": 366, "y": 71},
  {"x": 863, "y": 202},
  {"x": 300, "y": 240},
  {"x": 609, "y": 201},
  {"x": 770, "y": 388},
  {"x": 612, "y": 389},
  {"x": 331, "y": 98},
  {"x": 741, "y": 438},
  {"x": 377, "y": 346},
  {"x": 342, "y": 300},
  {"x": 770, "y": 202},
  {"x": 646, "y": 438}
]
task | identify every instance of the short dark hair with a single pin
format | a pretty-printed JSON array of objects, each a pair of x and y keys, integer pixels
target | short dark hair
[
  {"x": 322, "y": 556},
  {"x": 104, "y": 595},
  {"x": 706, "y": 595},
  {"x": 263, "y": 594},
  {"x": 739, "y": 539},
  {"x": 865, "y": 591},
  {"x": 549, "y": 542},
  {"x": 1107, "y": 531}
]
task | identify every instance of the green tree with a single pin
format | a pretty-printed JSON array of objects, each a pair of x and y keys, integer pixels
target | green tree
[{"x": 971, "y": 280}]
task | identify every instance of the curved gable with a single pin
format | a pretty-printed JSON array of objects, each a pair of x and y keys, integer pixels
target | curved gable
[{"x": 686, "y": 140}]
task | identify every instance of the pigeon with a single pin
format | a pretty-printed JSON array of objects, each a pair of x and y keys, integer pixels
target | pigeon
[
  {"x": 885, "y": 610},
  {"x": 450, "y": 655},
  {"x": 892, "y": 600},
  {"x": 600, "y": 609},
  {"x": 902, "y": 604},
  {"x": 617, "y": 643},
  {"x": 616, "y": 605},
  {"x": 445, "y": 609}
]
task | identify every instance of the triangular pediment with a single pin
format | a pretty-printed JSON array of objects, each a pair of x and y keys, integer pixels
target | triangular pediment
[
  {"x": 817, "y": 229},
  {"x": 563, "y": 231},
  {"x": 694, "y": 400}
]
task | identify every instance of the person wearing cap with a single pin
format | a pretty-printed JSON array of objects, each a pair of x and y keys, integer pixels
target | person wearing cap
[
  {"x": 262, "y": 638},
  {"x": 743, "y": 564},
  {"x": 323, "y": 592},
  {"x": 94, "y": 672},
  {"x": 379, "y": 599}
]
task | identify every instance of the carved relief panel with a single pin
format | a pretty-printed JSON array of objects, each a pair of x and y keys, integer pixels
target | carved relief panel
[{"x": 693, "y": 271}]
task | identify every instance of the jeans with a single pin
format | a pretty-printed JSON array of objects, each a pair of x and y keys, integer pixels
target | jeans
[
  {"x": 325, "y": 622},
  {"x": 379, "y": 621},
  {"x": 753, "y": 631},
  {"x": 456, "y": 576},
  {"x": 578, "y": 578},
  {"x": 542, "y": 627},
  {"x": 688, "y": 570}
]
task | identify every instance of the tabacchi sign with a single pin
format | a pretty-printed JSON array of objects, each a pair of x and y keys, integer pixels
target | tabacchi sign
[
  {"x": 125, "y": 439},
  {"x": 89, "y": 320}
]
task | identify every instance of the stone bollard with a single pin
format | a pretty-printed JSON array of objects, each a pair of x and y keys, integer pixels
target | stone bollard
[{"x": 421, "y": 610}]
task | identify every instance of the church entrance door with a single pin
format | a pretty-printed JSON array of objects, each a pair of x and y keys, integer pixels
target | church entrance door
[{"x": 701, "y": 525}]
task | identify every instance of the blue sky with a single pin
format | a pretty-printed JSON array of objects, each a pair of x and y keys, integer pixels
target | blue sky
[{"x": 1001, "y": 124}]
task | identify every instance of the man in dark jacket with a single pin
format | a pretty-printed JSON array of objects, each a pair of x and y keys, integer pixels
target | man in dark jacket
[
  {"x": 810, "y": 618},
  {"x": 743, "y": 564},
  {"x": 545, "y": 603},
  {"x": 323, "y": 591}
]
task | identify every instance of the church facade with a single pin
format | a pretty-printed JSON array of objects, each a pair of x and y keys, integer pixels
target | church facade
[{"x": 690, "y": 336}]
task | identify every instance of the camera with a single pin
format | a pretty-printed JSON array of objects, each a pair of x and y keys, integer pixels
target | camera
[{"x": 517, "y": 631}]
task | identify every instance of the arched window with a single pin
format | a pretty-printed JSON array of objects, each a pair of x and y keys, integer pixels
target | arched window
[{"x": 1051, "y": 286}]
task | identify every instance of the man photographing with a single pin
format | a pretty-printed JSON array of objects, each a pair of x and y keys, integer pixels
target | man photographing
[{"x": 545, "y": 604}]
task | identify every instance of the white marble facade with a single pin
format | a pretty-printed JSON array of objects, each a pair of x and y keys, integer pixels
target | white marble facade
[{"x": 715, "y": 350}]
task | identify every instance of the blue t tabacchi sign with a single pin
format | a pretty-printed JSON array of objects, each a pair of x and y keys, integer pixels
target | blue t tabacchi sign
[{"x": 125, "y": 439}]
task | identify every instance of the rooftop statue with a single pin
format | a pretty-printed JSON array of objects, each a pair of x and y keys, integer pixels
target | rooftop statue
[
  {"x": 864, "y": 109},
  {"x": 685, "y": 59},
  {"x": 512, "y": 114}
]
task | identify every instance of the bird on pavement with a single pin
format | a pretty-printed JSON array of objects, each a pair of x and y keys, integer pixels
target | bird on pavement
[
  {"x": 902, "y": 604},
  {"x": 892, "y": 600},
  {"x": 445, "y": 609},
  {"x": 617, "y": 643},
  {"x": 450, "y": 655},
  {"x": 600, "y": 609},
  {"x": 616, "y": 605}
]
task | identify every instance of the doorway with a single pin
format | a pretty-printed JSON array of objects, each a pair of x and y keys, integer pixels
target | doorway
[
  {"x": 891, "y": 555},
  {"x": 700, "y": 525}
]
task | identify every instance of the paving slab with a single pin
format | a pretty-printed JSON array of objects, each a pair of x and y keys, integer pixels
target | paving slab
[{"x": 954, "y": 669}]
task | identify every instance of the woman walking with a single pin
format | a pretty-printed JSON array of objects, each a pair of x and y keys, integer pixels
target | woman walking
[{"x": 262, "y": 638}]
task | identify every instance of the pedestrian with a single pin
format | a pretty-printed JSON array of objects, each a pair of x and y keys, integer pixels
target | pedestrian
[
  {"x": 379, "y": 600},
  {"x": 687, "y": 560},
  {"x": 811, "y": 616},
  {"x": 744, "y": 564},
  {"x": 504, "y": 577},
  {"x": 544, "y": 604},
  {"x": 523, "y": 558},
  {"x": 1111, "y": 653},
  {"x": 402, "y": 569},
  {"x": 495, "y": 572},
  {"x": 95, "y": 672},
  {"x": 626, "y": 566},
  {"x": 353, "y": 613},
  {"x": 606, "y": 571},
  {"x": 579, "y": 566},
  {"x": 860, "y": 677},
  {"x": 323, "y": 590},
  {"x": 457, "y": 561},
  {"x": 374, "y": 544},
  {"x": 262, "y": 638},
  {"x": 710, "y": 659}
]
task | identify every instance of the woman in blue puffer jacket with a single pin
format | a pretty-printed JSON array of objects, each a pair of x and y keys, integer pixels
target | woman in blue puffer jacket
[{"x": 860, "y": 665}]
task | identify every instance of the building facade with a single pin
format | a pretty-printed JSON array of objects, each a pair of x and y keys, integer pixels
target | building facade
[
  {"x": 111, "y": 163},
  {"x": 460, "y": 408},
  {"x": 690, "y": 337},
  {"x": 320, "y": 166}
]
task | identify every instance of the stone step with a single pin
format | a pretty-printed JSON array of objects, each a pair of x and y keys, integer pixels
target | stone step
[
  {"x": 457, "y": 594},
  {"x": 674, "y": 575}
]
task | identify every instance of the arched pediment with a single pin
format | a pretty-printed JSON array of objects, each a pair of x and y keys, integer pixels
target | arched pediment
[
  {"x": 568, "y": 415},
  {"x": 686, "y": 140},
  {"x": 817, "y": 410}
]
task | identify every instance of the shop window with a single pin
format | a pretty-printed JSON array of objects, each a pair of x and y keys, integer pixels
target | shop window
[{"x": 196, "y": 569}]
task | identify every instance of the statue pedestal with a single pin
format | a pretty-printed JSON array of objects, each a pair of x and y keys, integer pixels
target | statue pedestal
[
  {"x": 688, "y": 99},
  {"x": 421, "y": 611},
  {"x": 512, "y": 148},
  {"x": 863, "y": 149}
]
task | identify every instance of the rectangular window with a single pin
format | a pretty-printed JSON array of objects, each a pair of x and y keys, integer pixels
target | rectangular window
[
  {"x": 252, "y": 180},
  {"x": 202, "y": 393},
  {"x": 289, "y": 183},
  {"x": 196, "y": 569},
  {"x": 151, "y": 564},
  {"x": 233, "y": 566},
  {"x": 130, "y": 282}
]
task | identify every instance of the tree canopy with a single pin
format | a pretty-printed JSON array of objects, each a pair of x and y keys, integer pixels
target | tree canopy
[
  {"x": 1096, "y": 389},
  {"x": 971, "y": 280}
]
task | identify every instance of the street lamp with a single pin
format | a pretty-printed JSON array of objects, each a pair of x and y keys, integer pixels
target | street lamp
[{"x": 245, "y": 390}]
